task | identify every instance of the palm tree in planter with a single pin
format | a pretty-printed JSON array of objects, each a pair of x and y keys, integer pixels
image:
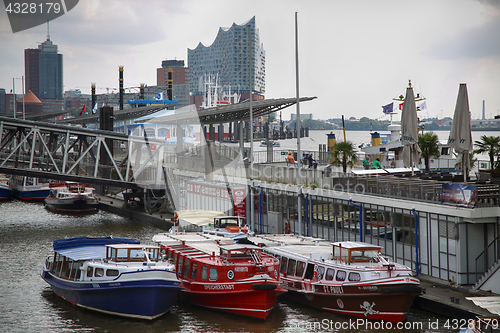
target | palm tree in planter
[
  {"x": 344, "y": 154},
  {"x": 428, "y": 144},
  {"x": 490, "y": 145}
]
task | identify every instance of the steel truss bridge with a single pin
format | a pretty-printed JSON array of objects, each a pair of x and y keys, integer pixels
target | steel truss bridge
[{"x": 70, "y": 153}]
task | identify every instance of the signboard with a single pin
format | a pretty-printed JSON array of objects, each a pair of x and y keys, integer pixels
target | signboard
[
  {"x": 459, "y": 195},
  {"x": 223, "y": 194},
  {"x": 283, "y": 153}
]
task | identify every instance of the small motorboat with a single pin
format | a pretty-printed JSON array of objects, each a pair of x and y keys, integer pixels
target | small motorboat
[
  {"x": 71, "y": 197},
  {"x": 117, "y": 276}
]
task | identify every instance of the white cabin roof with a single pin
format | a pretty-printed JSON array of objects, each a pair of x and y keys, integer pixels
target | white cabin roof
[{"x": 354, "y": 245}]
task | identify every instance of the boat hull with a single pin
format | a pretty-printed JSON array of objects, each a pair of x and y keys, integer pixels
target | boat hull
[
  {"x": 246, "y": 301},
  {"x": 378, "y": 302},
  {"x": 73, "y": 205},
  {"x": 135, "y": 297},
  {"x": 31, "y": 195},
  {"x": 5, "y": 193}
]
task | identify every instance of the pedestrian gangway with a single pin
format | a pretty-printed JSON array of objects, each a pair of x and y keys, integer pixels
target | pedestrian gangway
[{"x": 75, "y": 153}]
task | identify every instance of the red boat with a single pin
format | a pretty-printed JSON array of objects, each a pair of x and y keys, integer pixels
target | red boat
[
  {"x": 352, "y": 278},
  {"x": 236, "y": 278}
]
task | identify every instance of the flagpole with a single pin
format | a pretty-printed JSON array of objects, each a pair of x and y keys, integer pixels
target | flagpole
[{"x": 299, "y": 185}]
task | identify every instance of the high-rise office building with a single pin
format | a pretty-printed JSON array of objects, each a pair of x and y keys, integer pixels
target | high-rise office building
[
  {"x": 44, "y": 74},
  {"x": 227, "y": 61},
  {"x": 180, "y": 78}
]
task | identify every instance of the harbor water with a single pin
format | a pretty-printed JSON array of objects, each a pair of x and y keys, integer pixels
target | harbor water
[{"x": 27, "y": 304}]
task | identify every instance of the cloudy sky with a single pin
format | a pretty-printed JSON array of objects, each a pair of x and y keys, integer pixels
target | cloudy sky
[{"x": 355, "y": 56}]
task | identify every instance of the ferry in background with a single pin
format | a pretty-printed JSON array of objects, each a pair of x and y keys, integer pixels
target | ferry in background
[
  {"x": 347, "y": 278},
  {"x": 71, "y": 197},
  {"x": 29, "y": 188},
  {"x": 117, "y": 276},
  {"x": 273, "y": 143},
  {"x": 224, "y": 275},
  {"x": 5, "y": 189}
]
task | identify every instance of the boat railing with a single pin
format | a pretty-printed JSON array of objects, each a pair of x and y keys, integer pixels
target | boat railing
[{"x": 256, "y": 257}]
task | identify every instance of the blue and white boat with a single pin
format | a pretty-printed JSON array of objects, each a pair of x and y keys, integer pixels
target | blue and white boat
[
  {"x": 117, "y": 276},
  {"x": 5, "y": 189},
  {"x": 30, "y": 188}
]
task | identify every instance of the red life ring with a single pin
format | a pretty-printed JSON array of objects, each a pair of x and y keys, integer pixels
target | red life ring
[{"x": 287, "y": 227}]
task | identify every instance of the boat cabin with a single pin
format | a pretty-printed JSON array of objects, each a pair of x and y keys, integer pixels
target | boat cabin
[
  {"x": 230, "y": 223},
  {"x": 239, "y": 251},
  {"x": 351, "y": 252},
  {"x": 132, "y": 253}
]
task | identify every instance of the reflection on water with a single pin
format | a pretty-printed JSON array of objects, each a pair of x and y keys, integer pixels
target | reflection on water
[{"x": 27, "y": 304}]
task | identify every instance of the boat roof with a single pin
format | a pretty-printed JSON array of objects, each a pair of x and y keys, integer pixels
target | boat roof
[
  {"x": 87, "y": 248},
  {"x": 198, "y": 217},
  {"x": 356, "y": 245},
  {"x": 304, "y": 250},
  {"x": 132, "y": 246},
  {"x": 231, "y": 247},
  {"x": 287, "y": 239},
  {"x": 68, "y": 243},
  {"x": 187, "y": 237}
]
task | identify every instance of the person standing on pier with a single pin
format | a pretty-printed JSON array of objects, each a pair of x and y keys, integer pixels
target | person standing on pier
[
  {"x": 366, "y": 163},
  {"x": 376, "y": 164}
]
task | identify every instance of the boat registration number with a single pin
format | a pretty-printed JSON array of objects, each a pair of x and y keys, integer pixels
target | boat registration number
[{"x": 333, "y": 290}]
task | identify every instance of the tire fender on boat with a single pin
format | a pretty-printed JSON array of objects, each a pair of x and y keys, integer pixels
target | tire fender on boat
[{"x": 264, "y": 286}]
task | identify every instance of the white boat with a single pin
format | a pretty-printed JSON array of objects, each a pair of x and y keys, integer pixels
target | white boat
[
  {"x": 117, "y": 276},
  {"x": 348, "y": 278},
  {"x": 273, "y": 143},
  {"x": 71, "y": 197},
  {"x": 210, "y": 222}
]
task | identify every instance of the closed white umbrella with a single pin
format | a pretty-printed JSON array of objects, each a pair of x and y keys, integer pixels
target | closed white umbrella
[
  {"x": 460, "y": 137},
  {"x": 409, "y": 130}
]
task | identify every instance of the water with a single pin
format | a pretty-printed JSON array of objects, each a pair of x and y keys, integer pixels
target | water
[
  {"x": 28, "y": 305},
  {"x": 316, "y": 138}
]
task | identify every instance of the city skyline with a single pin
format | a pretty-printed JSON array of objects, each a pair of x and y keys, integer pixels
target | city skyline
[{"x": 354, "y": 56}]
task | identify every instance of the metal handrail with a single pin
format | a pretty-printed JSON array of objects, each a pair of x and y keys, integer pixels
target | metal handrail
[{"x": 484, "y": 251}]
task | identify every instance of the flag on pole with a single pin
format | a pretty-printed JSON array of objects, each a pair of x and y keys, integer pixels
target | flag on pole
[
  {"x": 159, "y": 97},
  {"x": 401, "y": 106},
  {"x": 94, "y": 109},
  {"x": 388, "y": 108},
  {"x": 423, "y": 106},
  {"x": 168, "y": 135},
  {"x": 83, "y": 109}
]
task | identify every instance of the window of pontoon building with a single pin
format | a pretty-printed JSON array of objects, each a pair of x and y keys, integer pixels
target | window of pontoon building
[
  {"x": 194, "y": 269},
  {"x": 340, "y": 276},
  {"x": 291, "y": 267},
  {"x": 99, "y": 272},
  {"x": 112, "y": 272},
  {"x": 186, "y": 269},
  {"x": 204, "y": 272},
  {"x": 300, "y": 268},
  {"x": 330, "y": 273},
  {"x": 213, "y": 274}
]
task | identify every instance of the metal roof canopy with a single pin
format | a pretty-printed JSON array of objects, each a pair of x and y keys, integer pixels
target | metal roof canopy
[
  {"x": 229, "y": 113},
  {"x": 120, "y": 115}
]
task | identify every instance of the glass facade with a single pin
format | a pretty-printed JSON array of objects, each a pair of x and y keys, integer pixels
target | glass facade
[{"x": 228, "y": 60}]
